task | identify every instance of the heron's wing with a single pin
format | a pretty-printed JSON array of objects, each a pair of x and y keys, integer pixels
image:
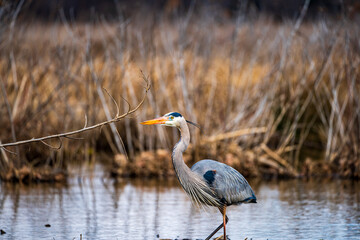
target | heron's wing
[{"x": 229, "y": 185}]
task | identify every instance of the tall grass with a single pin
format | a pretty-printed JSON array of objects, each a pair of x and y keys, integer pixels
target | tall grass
[{"x": 301, "y": 84}]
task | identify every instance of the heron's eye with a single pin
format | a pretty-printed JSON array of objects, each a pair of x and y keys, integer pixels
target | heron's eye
[{"x": 171, "y": 117}]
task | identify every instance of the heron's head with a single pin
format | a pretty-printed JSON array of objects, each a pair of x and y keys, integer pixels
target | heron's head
[{"x": 171, "y": 119}]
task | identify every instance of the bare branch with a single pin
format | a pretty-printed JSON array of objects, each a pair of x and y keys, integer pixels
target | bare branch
[
  {"x": 129, "y": 106},
  {"x": 4, "y": 154},
  {"x": 67, "y": 134},
  {"x": 114, "y": 101},
  {"x": 48, "y": 145},
  {"x": 86, "y": 120},
  {"x": 7, "y": 150}
]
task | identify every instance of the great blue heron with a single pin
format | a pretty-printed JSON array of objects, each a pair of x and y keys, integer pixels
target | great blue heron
[{"x": 208, "y": 182}]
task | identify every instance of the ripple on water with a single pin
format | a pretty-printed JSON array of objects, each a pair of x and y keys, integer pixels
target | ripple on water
[{"x": 98, "y": 208}]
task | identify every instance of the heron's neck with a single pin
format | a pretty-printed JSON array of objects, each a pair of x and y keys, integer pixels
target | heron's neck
[
  {"x": 180, "y": 167},
  {"x": 194, "y": 186}
]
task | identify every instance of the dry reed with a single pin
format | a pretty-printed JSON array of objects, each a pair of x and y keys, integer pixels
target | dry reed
[{"x": 300, "y": 83}]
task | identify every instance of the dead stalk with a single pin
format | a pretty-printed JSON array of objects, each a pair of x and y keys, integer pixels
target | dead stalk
[
  {"x": 13, "y": 134},
  {"x": 85, "y": 128}
]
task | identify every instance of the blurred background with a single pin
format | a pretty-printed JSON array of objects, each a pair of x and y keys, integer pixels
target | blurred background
[{"x": 274, "y": 85}]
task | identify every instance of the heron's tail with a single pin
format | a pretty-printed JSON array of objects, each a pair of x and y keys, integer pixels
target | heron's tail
[{"x": 251, "y": 199}]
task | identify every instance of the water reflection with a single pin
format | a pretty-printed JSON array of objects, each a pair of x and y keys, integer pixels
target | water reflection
[{"x": 99, "y": 208}]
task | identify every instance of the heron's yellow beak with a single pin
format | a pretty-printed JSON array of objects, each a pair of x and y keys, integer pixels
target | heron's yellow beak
[{"x": 160, "y": 120}]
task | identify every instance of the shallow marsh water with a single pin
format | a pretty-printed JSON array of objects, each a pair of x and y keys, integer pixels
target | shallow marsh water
[{"x": 99, "y": 208}]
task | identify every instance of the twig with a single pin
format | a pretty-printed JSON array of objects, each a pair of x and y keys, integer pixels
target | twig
[
  {"x": 48, "y": 145},
  {"x": 86, "y": 121},
  {"x": 67, "y": 134},
  {"x": 234, "y": 134},
  {"x": 114, "y": 101},
  {"x": 278, "y": 159}
]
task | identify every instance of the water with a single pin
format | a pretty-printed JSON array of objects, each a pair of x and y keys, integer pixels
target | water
[{"x": 99, "y": 208}]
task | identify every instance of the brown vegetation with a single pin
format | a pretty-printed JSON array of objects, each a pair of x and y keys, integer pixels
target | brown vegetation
[{"x": 298, "y": 82}]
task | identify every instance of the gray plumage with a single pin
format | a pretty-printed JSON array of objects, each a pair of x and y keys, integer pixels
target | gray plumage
[
  {"x": 208, "y": 182},
  {"x": 228, "y": 186}
]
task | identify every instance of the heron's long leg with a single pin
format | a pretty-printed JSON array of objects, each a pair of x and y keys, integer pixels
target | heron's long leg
[{"x": 225, "y": 220}]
